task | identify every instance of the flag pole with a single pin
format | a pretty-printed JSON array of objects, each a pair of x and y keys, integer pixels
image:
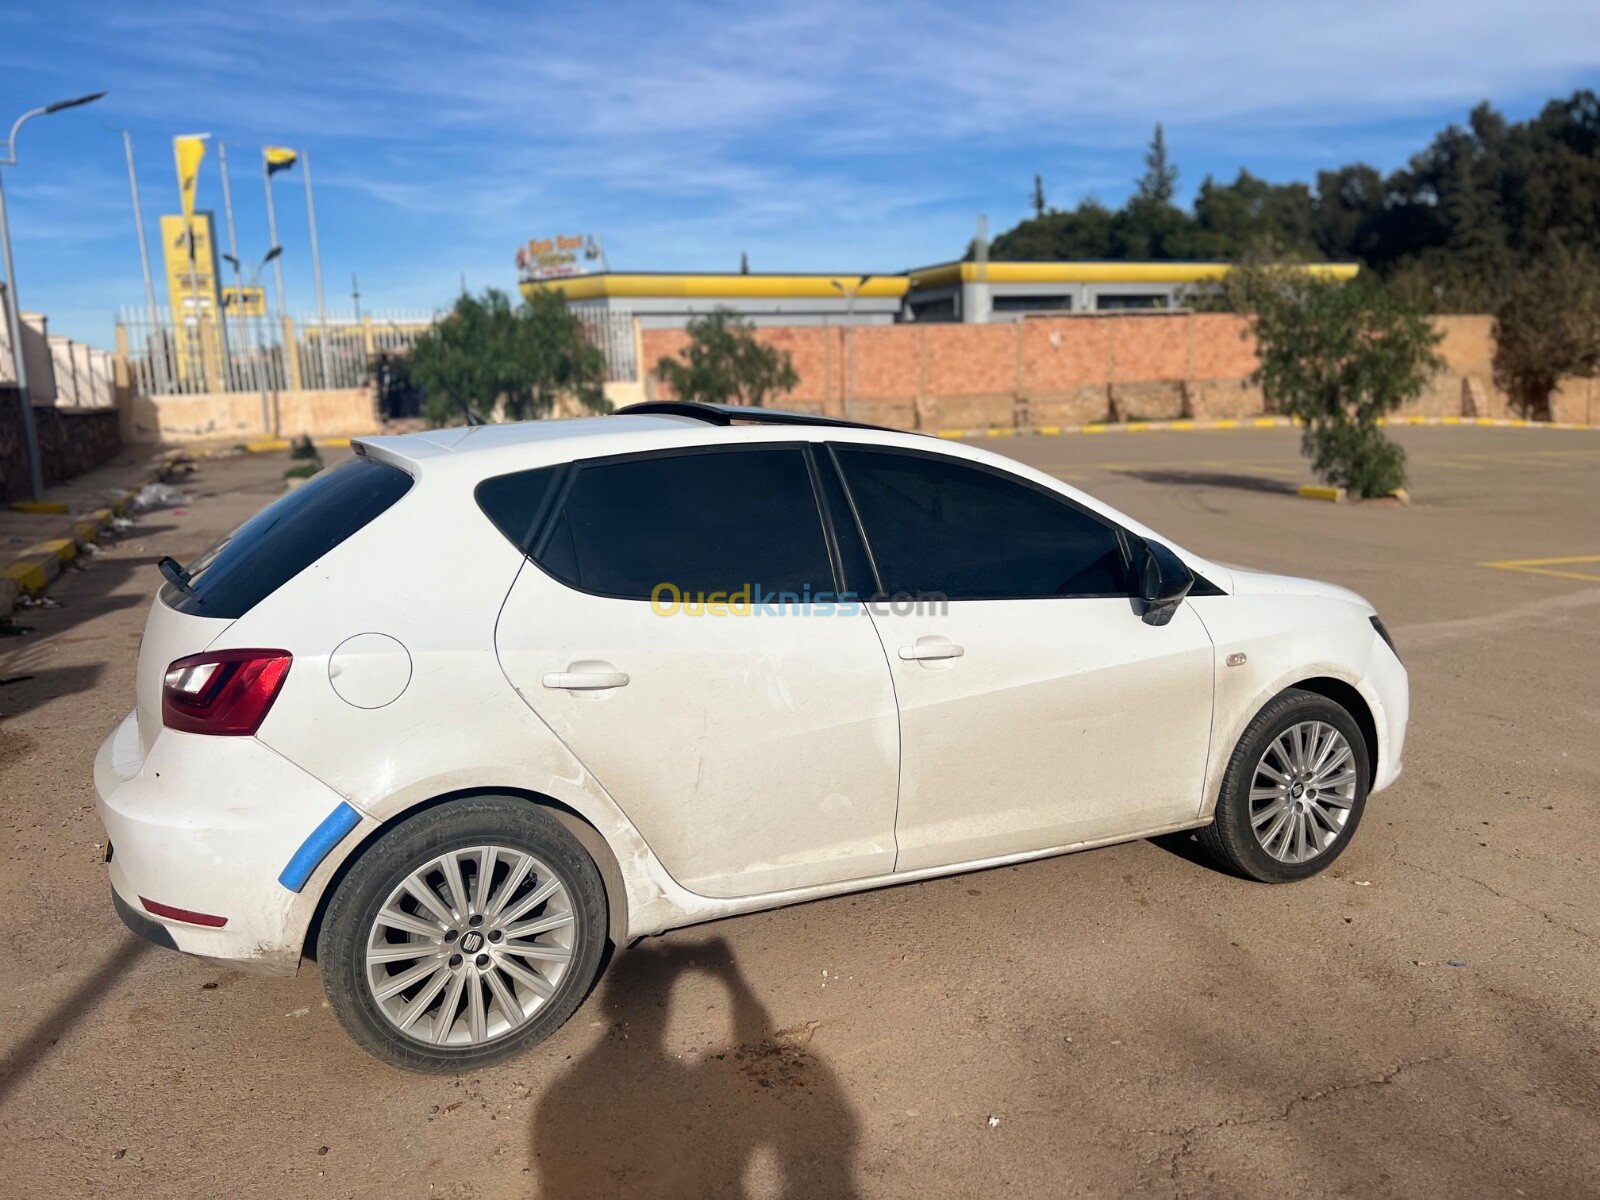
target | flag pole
[
  {"x": 159, "y": 373},
  {"x": 316, "y": 271},
  {"x": 272, "y": 231},
  {"x": 233, "y": 247}
]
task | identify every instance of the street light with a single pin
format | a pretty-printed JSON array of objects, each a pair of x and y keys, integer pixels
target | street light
[
  {"x": 30, "y": 438},
  {"x": 261, "y": 377},
  {"x": 850, "y": 295}
]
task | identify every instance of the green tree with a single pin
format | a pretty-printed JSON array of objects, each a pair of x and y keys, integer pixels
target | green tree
[
  {"x": 725, "y": 364},
  {"x": 1340, "y": 355},
  {"x": 1159, "y": 183},
  {"x": 1039, "y": 205},
  {"x": 1548, "y": 326},
  {"x": 486, "y": 358}
]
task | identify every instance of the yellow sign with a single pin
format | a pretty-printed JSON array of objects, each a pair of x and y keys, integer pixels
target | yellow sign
[
  {"x": 192, "y": 290},
  {"x": 244, "y": 301}
]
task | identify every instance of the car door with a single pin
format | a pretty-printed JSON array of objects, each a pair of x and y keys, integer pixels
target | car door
[
  {"x": 1036, "y": 708},
  {"x": 753, "y": 742}
]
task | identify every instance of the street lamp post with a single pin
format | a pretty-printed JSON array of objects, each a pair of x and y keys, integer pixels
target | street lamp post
[
  {"x": 261, "y": 376},
  {"x": 30, "y": 436},
  {"x": 850, "y": 295}
]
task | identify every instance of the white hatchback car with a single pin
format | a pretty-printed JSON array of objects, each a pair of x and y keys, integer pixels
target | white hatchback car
[{"x": 463, "y": 711}]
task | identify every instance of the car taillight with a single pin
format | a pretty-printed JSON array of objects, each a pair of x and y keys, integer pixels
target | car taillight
[{"x": 226, "y": 692}]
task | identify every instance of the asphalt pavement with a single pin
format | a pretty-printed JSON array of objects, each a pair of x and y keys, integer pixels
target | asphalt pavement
[{"x": 1421, "y": 1020}]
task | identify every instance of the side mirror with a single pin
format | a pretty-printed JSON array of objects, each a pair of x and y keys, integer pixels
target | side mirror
[{"x": 1164, "y": 581}]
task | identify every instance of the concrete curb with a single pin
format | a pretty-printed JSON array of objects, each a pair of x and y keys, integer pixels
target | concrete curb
[
  {"x": 28, "y": 571},
  {"x": 1242, "y": 423}
]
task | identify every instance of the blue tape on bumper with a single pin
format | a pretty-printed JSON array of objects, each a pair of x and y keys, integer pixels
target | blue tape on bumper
[{"x": 315, "y": 848}]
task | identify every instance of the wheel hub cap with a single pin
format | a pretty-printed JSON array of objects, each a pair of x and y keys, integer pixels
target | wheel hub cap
[
  {"x": 1302, "y": 791},
  {"x": 470, "y": 945}
]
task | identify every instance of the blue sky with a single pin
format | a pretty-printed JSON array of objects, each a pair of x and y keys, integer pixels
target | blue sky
[{"x": 818, "y": 136}]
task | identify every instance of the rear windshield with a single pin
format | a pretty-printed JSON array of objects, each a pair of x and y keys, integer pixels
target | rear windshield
[{"x": 285, "y": 538}]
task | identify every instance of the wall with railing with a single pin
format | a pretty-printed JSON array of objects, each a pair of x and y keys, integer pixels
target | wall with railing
[{"x": 203, "y": 356}]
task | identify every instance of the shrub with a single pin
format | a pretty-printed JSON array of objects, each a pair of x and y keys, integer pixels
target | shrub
[
  {"x": 1339, "y": 356},
  {"x": 725, "y": 364}
]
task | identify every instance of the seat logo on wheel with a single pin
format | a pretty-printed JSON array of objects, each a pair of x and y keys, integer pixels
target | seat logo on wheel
[{"x": 472, "y": 943}]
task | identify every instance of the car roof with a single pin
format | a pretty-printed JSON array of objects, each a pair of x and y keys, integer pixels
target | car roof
[
  {"x": 467, "y": 455},
  {"x": 491, "y": 449}
]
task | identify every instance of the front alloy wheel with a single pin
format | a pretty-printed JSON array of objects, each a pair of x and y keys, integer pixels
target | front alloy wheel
[
  {"x": 1302, "y": 793},
  {"x": 1294, "y": 790}
]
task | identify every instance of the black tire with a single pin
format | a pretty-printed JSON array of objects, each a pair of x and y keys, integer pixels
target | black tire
[
  {"x": 500, "y": 821},
  {"x": 1230, "y": 838}
]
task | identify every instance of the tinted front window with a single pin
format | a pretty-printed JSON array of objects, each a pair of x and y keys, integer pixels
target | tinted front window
[
  {"x": 285, "y": 538},
  {"x": 708, "y": 522},
  {"x": 938, "y": 525}
]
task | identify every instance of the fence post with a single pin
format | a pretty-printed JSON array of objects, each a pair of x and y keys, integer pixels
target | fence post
[
  {"x": 291, "y": 354},
  {"x": 366, "y": 338}
]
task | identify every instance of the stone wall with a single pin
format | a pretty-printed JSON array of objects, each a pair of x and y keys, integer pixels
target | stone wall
[
  {"x": 71, "y": 441},
  {"x": 223, "y": 416},
  {"x": 1074, "y": 370}
]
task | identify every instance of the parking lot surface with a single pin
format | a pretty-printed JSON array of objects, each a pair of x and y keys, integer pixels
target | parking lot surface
[{"x": 1420, "y": 1020}]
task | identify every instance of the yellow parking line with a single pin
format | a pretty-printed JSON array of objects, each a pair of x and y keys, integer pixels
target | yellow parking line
[{"x": 1541, "y": 566}]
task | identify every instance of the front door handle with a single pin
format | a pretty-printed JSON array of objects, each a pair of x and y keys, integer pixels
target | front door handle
[
  {"x": 587, "y": 679},
  {"x": 927, "y": 649}
]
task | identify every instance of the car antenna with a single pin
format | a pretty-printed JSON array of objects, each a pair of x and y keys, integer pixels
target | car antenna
[{"x": 175, "y": 574}]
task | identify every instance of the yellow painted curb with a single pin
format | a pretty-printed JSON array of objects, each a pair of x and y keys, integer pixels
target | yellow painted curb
[
  {"x": 1314, "y": 491},
  {"x": 33, "y": 569},
  {"x": 1188, "y": 425},
  {"x": 63, "y": 548},
  {"x": 266, "y": 445},
  {"x": 39, "y": 506}
]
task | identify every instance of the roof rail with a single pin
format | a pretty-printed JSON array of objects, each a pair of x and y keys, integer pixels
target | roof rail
[{"x": 727, "y": 414}]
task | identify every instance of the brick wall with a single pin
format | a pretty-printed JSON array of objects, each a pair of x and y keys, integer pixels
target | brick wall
[
  {"x": 71, "y": 441},
  {"x": 1079, "y": 369}
]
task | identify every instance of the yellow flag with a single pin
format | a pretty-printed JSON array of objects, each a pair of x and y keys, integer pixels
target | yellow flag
[
  {"x": 278, "y": 158},
  {"x": 189, "y": 151}
]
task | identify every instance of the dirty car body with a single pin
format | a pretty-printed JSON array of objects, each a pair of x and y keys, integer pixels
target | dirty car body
[{"x": 692, "y": 667}]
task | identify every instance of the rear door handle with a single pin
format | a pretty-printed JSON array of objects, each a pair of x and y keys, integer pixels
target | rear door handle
[
  {"x": 927, "y": 649},
  {"x": 586, "y": 681}
]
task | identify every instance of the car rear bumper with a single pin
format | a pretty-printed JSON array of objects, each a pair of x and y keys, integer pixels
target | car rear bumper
[{"x": 207, "y": 825}]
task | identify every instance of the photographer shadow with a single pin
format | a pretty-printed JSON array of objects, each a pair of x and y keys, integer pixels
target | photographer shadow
[{"x": 765, "y": 1116}]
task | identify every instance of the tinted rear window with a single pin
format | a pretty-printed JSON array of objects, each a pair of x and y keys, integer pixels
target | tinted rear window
[
  {"x": 285, "y": 538},
  {"x": 704, "y": 522}
]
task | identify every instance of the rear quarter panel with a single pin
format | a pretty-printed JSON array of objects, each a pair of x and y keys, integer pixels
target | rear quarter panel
[{"x": 432, "y": 573}]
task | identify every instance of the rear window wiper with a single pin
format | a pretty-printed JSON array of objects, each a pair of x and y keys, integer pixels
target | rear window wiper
[{"x": 173, "y": 570}]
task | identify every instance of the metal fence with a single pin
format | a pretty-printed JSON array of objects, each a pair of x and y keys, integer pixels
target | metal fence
[
  {"x": 255, "y": 353},
  {"x": 263, "y": 353},
  {"x": 614, "y": 333}
]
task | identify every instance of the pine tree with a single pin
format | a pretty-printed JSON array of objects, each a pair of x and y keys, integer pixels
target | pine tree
[{"x": 1160, "y": 180}]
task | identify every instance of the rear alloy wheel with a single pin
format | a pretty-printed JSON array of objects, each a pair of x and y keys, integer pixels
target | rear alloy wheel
[
  {"x": 1294, "y": 790},
  {"x": 464, "y": 935}
]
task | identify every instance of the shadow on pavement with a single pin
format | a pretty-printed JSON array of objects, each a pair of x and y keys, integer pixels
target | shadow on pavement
[
  {"x": 21, "y": 1059},
  {"x": 23, "y": 688},
  {"x": 1221, "y": 479},
  {"x": 1185, "y": 845},
  {"x": 630, "y": 1118}
]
